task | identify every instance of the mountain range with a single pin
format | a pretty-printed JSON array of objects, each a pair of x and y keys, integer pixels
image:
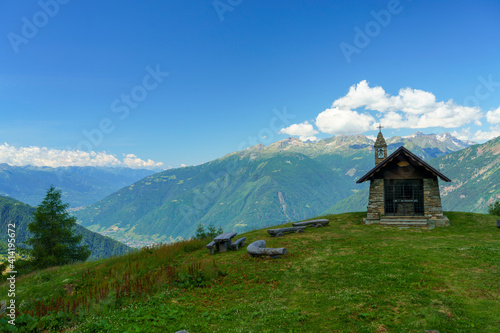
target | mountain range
[
  {"x": 475, "y": 175},
  {"x": 257, "y": 187},
  {"x": 14, "y": 211},
  {"x": 80, "y": 186}
]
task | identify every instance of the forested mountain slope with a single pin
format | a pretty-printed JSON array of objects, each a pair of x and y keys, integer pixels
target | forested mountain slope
[
  {"x": 260, "y": 186},
  {"x": 13, "y": 211}
]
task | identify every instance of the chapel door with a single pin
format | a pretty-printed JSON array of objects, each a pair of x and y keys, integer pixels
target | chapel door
[{"x": 404, "y": 197}]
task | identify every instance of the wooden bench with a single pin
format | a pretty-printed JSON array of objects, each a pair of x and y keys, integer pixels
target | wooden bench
[
  {"x": 312, "y": 223},
  {"x": 237, "y": 243},
  {"x": 280, "y": 231},
  {"x": 258, "y": 248}
]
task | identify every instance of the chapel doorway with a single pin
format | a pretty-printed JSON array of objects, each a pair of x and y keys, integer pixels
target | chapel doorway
[{"x": 404, "y": 197}]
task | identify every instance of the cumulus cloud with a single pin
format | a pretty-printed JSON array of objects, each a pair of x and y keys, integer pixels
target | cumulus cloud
[
  {"x": 493, "y": 117},
  {"x": 43, "y": 156},
  {"x": 341, "y": 121},
  {"x": 479, "y": 136},
  {"x": 305, "y": 131},
  {"x": 134, "y": 162},
  {"x": 483, "y": 136},
  {"x": 464, "y": 134},
  {"x": 410, "y": 108}
]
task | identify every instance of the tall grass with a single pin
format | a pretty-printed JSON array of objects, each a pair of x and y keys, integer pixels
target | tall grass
[{"x": 110, "y": 284}]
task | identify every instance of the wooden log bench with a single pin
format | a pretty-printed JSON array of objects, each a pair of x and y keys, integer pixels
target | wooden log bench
[
  {"x": 258, "y": 248},
  {"x": 280, "y": 231},
  {"x": 312, "y": 223},
  {"x": 237, "y": 243}
]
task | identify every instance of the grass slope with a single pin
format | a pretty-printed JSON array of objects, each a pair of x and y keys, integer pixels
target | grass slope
[
  {"x": 13, "y": 211},
  {"x": 346, "y": 277}
]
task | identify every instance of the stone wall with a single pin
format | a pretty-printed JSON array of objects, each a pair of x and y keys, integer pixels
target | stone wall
[
  {"x": 375, "y": 200},
  {"x": 433, "y": 209}
]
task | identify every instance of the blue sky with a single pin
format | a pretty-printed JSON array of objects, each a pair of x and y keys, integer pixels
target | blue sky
[{"x": 184, "y": 82}]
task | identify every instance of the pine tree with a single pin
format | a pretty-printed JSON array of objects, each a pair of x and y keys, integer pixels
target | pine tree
[{"x": 52, "y": 236}]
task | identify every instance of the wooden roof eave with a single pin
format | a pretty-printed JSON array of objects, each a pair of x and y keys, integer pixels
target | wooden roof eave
[{"x": 390, "y": 158}]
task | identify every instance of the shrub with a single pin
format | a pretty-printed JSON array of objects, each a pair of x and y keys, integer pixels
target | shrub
[{"x": 494, "y": 208}]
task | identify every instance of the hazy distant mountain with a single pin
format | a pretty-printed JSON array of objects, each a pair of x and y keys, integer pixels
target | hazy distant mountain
[
  {"x": 80, "y": 186},
  {"x": 475, "y": 175},
  {"x": 287, "y": 180},
  {"x": 14, "y": 211}
]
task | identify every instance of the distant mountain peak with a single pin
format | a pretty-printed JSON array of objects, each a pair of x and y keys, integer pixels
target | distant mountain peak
[{"x": 416, "y": 134}]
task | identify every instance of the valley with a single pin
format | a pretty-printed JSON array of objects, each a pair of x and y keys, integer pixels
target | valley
[{"x": 257, "y": 187}]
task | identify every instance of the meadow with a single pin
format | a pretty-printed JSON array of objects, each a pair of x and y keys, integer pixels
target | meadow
[{"x": 346, "y": 277}]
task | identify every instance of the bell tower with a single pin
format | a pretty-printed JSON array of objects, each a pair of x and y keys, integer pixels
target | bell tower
[{"x": 380, "y": 147}]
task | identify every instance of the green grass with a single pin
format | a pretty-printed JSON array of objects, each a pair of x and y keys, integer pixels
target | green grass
[{"x": 347, "y": 277}]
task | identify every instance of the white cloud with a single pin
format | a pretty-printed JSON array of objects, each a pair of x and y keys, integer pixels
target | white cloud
[
  {"x": 448, "y": 115},
  {"x": 362, "y": 95},
  {"x": 410, "y": 108},
  {"x": 304, "y": 130},
  {"x": 493, "y": 117},
  {"x": 132, "y": 161},
  {"x": 43, "y": 156},
  {"x": 464, "y": 134},
  {"x": 341, "y": 121},
  {"x": 481, "y": 136},
  {"x": 308, "y": 138}
]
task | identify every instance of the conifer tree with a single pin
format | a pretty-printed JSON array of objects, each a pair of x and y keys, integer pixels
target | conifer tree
[{"x": 52, "y": 236}]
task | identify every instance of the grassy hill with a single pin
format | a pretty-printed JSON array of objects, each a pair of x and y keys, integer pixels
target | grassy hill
[
  {"x": 13, "y": 211},
  {"x": 346, "y": 277}
]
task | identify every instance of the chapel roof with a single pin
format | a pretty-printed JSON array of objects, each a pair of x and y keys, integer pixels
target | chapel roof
[{"x": 414, "y": 159}]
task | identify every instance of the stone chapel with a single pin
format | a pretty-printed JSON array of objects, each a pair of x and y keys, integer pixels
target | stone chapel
[{"x": 404, "y": 190}]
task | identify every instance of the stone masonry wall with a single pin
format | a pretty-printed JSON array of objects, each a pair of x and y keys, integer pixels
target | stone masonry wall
[
  {"x": 376, "y": 200},
  {"x": 432, "y": 199}
]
